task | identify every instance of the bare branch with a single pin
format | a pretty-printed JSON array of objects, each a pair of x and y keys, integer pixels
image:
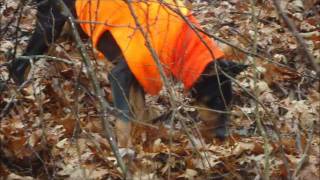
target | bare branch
[
  {"x": 295, "y": 33},
  {"x": 104, "y": 105}
]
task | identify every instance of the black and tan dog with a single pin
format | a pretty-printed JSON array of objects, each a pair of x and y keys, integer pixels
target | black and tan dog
[{"x": 114, "y": 29}]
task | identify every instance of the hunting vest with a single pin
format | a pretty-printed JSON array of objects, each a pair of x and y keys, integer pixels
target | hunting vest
[{"x": 183, "y": 51}]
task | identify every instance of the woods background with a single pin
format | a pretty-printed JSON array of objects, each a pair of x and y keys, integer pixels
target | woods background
[{"x": 274, "y": 121}]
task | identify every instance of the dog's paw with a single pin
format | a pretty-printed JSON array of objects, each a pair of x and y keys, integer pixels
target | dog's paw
[
  {"x": 18, "y": 70},
  {"x": 220, "y": 133},
  {"x": 210, "y": 133}
]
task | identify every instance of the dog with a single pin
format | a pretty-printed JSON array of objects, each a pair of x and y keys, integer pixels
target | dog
[{"x": 190, "y": 57}]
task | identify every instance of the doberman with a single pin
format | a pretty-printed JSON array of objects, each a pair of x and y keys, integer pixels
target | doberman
[{"x": 212, "y": 90}]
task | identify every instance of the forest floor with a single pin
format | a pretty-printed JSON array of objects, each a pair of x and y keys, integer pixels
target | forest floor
[{"x": 275, "y": 131}]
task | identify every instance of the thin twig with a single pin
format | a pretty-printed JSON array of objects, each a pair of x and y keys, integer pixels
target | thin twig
[
  {"x": 46, "y": 57},
  {"x": 154, "y": 55},
  {"x": 272, "y": 117},
  {"x": 305, "y": 154},
  {"x": 309, "y": 57},
  {"x": 5, "y": 110},
  {"x": 104, "y": 105},
  {"x": 266, "y": 147}
]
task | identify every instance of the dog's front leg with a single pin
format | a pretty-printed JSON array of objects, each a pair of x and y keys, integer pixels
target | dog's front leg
[
  {"x": 127, "y": 94},
  {"x": 121, "y": 80},
  {"x": 49, "y": 25}
]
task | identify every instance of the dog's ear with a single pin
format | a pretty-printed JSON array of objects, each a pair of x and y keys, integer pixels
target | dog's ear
[{"x": 230, "y": 67}]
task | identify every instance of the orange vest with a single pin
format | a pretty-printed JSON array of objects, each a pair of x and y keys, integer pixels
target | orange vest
[{"x": 178, "y": 47}]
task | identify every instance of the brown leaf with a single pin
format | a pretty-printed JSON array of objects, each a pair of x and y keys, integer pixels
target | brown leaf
[
  {"x": 276, "y": 74},
  {"x": 69, "y": 123},
  {"x": 251, "y": 147}
]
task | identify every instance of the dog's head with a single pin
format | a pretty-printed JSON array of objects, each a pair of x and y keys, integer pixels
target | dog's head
[{"x": 213, "y": 94}]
